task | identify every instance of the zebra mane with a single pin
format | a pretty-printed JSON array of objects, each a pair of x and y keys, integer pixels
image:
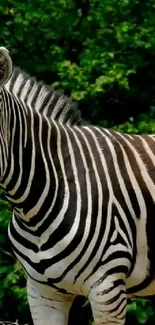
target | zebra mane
[{"x": 42, "y": 98}]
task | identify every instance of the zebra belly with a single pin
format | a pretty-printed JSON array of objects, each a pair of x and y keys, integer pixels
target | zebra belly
[
  {"x": 48, "y": 279},
  {"x": 66, "y": 284},
  {"x": 43, "y": 268}
]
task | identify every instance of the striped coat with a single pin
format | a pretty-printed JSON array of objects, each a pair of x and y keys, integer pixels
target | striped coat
[{"x": 83, "y": 203}]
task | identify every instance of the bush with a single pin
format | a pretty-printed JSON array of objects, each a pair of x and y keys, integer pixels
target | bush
[{"x": 102, "y": 52}]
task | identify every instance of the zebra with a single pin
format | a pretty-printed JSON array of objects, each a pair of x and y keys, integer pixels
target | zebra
[{"x": 83, "y": 203}]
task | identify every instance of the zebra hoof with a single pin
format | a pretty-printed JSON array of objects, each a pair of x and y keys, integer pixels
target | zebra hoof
[{"x": 6, "y": 66}]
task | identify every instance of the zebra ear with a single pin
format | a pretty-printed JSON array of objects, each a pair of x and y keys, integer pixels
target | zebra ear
[{"x": 6, "y": 66}]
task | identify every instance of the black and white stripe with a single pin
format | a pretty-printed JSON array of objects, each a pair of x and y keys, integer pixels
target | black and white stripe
[{"x": 83, "y": 198}]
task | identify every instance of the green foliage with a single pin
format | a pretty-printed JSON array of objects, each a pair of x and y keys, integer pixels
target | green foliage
[
  {"x": 102, "y": 52},
  {"x": 143, "y": 311},
  {"x": 143, "y": 124}
]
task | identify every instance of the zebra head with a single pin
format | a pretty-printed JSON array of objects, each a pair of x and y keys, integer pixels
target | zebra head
[{"x": 6, "y": 66}]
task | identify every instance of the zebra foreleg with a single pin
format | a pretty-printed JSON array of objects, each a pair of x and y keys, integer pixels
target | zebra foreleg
[
  {"x": 49, "y": 310},
  {"x": 108, "y": 302}
]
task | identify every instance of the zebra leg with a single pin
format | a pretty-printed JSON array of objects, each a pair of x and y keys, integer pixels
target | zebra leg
[
  {"x": 49, "y": 310},
  {"x": 108, "y": 302}
]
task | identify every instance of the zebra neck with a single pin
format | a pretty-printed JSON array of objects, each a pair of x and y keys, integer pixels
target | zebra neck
[{"x": 32, "y": 178}]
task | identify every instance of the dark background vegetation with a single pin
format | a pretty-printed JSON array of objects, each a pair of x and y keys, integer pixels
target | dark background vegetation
[{"x": 102, "y": 53}]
